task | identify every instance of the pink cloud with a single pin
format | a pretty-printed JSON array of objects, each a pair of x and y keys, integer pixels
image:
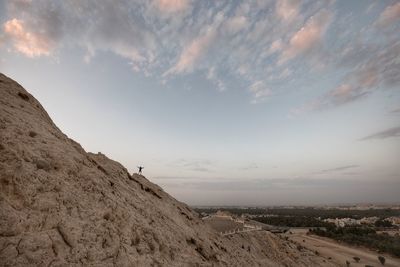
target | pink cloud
[
  {"x": 193, "y": 52},
  {"x": 28, "y": 43},
  {"x": 172, "y": 6},
  {"x": 235, "y": 24},
  {"x": 308, "y": 37},
  {"x": 287, "y": 9},
  {"x": 343, "y": 94},
  {"x": 368, "y": 77},
  {"x": 390, "y": 15},
  {"x": 275, "y": 46}
]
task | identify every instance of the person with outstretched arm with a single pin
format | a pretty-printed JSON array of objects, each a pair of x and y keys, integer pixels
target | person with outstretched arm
[{"x": 140, "y": 169}]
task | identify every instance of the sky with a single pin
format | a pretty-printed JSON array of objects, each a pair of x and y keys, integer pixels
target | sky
[{"x": 223, "y": 102}]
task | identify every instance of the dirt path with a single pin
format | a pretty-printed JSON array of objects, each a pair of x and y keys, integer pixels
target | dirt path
[{"x": 340, "y": 252}]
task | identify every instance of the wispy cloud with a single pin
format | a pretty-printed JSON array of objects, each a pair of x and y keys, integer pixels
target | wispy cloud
[
  {"x": 276, "y": 46},
  {"x": 172, "y": 6},
  {"x": 260, "y": 91},
  {"x": 197, "y": 165},
  {"x": 396, "y": 110},
  {"x": 235, "y": 24},
  {"x": 339, "y": 169},
  {"x": 287, "y": 10},
  {"x": 368, "y": 66},
  {"x": 376, "y": 67},
  {"x": 250, "y": 166},
  {"x": 166, "y": 37},
  {"x": 193, "y": 52},
  {"x": 260, "y": 43},
  {"x": 390, "y": 15},
  {"x": 389, "y": 133},
  {"x": 308, "y": 37},
  {"x": 345, "y": 93},
  {"x": 214, "y": 78}
]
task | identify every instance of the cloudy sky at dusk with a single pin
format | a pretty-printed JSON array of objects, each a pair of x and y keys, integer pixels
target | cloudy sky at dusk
[{"x": 223, "y": 102}]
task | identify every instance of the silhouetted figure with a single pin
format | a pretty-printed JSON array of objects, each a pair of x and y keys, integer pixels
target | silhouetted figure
[{"x": 140, "y": 169}]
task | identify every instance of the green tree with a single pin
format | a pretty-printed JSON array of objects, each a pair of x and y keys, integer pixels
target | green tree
[
  {"x": 383, "y": 223},
  {"x": 381, "y": 260}
]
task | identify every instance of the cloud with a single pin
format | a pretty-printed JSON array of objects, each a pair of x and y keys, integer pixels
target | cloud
[
  {"x": 345, "y": 93},
  {"x": 29, "y": 43},
  {"x": 213, "y": 77},
  {"x": 166, "y": 38},
  {"x": 172, "y": 6},
  {"x": 339, "y": 169},
  {"x": 379, "y": 68},
  {"x": 285, "y": 73},
  {"x": 308, "y": 37},
  {"x": 287, "y": 10},
  {"x": 235, "y": 24},
  {"x": 396, "y": 110},
  {"x": 96, "y": 26},
  {"x": 250, "y": 166},
  {"x": 390, "y": 15},
  {"x": 200, "y": 169},
  {"x": 223, "y": 41},
  {"x": 389, "y": 133},
  {"x": 260, "y": 91},
  {"x": 115, "y": 28},
  {"x": 193, "y": 52},
  {"x": 197, "y": 165},
  {"x": 169, "y": 38},
  {"x": 276, "y": 46},
  {"x": 369, "y": 67}
]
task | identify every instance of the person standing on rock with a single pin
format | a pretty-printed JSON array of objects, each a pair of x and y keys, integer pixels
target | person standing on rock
[{"x": 140, "y": 169}]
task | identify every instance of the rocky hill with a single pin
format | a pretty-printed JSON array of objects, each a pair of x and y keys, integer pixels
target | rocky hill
[{"x": 62, "y": 206}]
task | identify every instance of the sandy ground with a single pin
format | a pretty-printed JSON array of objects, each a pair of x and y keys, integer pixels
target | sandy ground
[{"x": 339, "y": 252}]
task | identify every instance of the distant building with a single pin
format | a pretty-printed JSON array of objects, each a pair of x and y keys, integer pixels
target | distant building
[
  {"x": 369, "y": 220},
  {"x": 342, "y": 222},
  {"x": 394, "y": 220}
]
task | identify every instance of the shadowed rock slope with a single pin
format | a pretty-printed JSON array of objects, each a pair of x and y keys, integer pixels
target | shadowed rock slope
[{"x": 62, "y": 206}]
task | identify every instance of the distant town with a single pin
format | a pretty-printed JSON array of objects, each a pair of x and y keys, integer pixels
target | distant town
[
  {"x": 339, "y": 206},
  {"x": 368, "y": 230}
]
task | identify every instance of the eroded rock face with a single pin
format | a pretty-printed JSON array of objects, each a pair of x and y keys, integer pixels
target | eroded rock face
[{"x": 61, "y": 206}]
